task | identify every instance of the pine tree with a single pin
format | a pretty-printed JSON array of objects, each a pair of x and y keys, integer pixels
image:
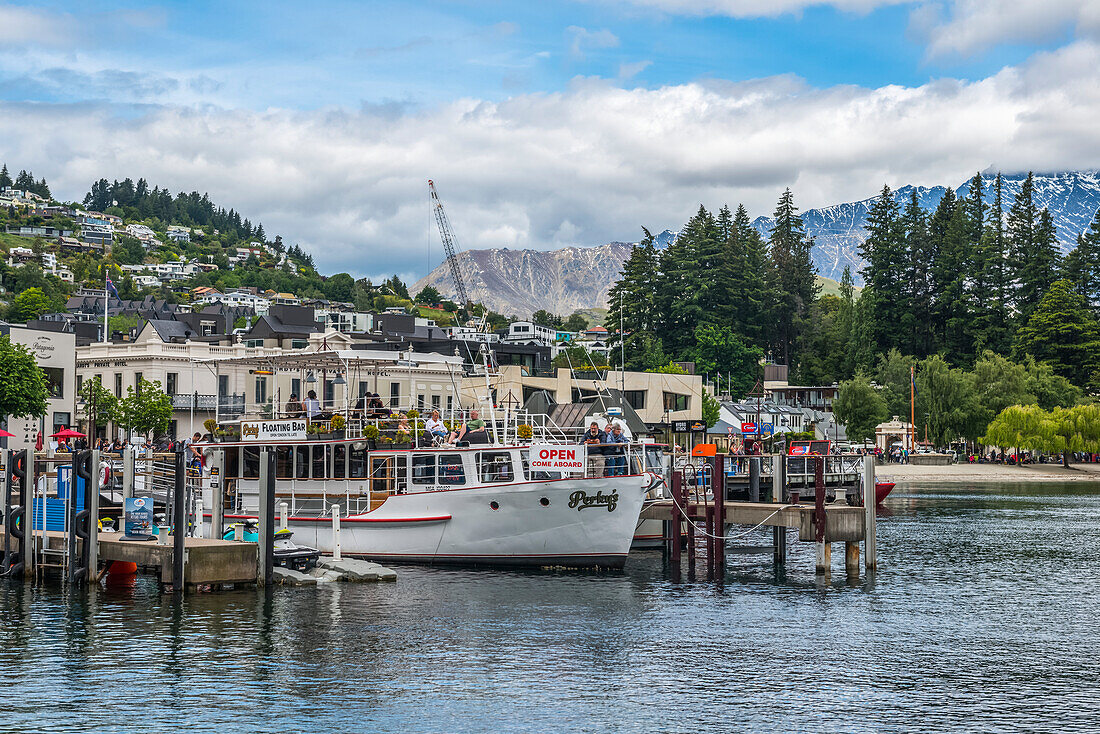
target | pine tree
[
  {"x": 976, "y": 283},
  {"x": 917, "y": 285},
  {"x": 1082, "y": 266},
  {"x": 883, "y": 251},
  {"x": 845, "y": 326},
  {"x": 5, "y": 177},
  {"x": 632, "y": 302},
  {"x": 757, "y": 296},
  {"x": 943, "y": 272},
  {"x": 956, "y": 308},
  {"x": 1022, "y": 232},
  {"x": 796, "y": 284},
  {"x": 996, "y": 335},
  {"x": 1062, "y": 332}
]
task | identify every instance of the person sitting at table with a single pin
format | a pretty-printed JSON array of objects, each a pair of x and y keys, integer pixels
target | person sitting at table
[
  {"x": 294, "y": 407},
  {"x": 403, "y": 423},
  {"x": 312, "y": 407},
  {"x": 472, "y": 431},
  {"x": 378, "y": 410}
]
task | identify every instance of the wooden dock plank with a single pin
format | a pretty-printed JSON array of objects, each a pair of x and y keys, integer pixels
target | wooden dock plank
[{"x": 843, "y": 522}]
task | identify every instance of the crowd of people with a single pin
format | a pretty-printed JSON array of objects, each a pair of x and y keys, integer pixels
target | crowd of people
[{"x": 606, "y": 455}]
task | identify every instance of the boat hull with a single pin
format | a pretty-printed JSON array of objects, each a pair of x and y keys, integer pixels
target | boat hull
[
  {"x": 568, "y": 522},
  {"x": 882, "y": 490}
]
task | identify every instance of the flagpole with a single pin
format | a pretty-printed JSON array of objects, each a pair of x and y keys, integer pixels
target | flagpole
[
  {"x": 106, "y": 276},
  {"x": 912, "y": 410}
]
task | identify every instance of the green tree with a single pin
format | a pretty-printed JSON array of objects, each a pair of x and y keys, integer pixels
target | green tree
[
  {"x": 1063, "y": 332},
  {"x": 885, "y": 257},
  {"x": 999, "y": 383},
  {"x": 1082, "y": 265},
  {"x": 860, "y": 407},
  {"x": 1017, "y": 426},
  {"x": 1049, "y": 389},
  {"x": 98, "y": 404},
  {"x": 946, "y": 402},
  {"x": 428, "y": 296},
  {"x": 542, "y": 317},
  {"x": 711, "y": 408},
  {"x": 796, "y": 284},
  {"x": 719, "y": 349},
  {"x": 579, "y": 358},
  {"x": 575, "y": 323},
  {"x": 22, "y": 383},
  {"x": 893, "y": 375},
  {"x": 340, "y": 288},
  {"x": 30, "y": 304},
  {"x": 145, "y": 410}
]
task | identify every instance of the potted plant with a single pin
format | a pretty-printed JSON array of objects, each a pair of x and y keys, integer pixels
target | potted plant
[
  {"x": 316, "y": 431},
  {"x": 401, "y": 440},
  {"x": 338, "y": 426},
  {"x": 413, "y": 414},
  {"x": 268, "y": 411},
  {"x": 370, "y": 432},
  {"x": 211, "y": 427},
  {"x": 524, "y": 431}
]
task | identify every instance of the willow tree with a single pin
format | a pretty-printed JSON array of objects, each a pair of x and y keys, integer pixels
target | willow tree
[{"x": 1017, "y": 426}]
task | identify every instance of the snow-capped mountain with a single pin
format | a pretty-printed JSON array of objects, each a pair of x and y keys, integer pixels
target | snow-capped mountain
[{"x": 561, "y": 281}]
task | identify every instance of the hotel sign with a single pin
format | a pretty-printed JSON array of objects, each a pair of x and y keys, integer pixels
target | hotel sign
[{"x": 288, "y": 430}]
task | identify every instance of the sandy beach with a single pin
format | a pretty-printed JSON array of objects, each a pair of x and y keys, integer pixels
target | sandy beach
[{"x": 903, "y": 473}]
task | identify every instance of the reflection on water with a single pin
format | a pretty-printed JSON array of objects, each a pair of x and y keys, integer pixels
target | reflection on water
[{"x": 983, "y": 616}]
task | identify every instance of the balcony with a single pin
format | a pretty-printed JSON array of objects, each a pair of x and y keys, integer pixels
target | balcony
[{"x": 230, "y": 404}]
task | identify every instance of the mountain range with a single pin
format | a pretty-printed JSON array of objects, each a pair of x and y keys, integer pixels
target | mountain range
[{"x": 562, "y": 281}]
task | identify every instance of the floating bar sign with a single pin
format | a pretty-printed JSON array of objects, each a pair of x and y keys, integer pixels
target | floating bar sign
[
  {"x": 291, "y": 430},
  {"x": 550, "y": 457}
]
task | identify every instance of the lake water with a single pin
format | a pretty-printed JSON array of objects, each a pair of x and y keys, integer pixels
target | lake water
[{"x": 984, "y": 616}]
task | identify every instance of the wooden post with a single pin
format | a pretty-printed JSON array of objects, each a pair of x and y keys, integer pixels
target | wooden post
[
  {"x": 870, "y": 552},
  {"x": 754, "y": 478},
  {"x": 851, "y": 559},
  {"x": 217, "y": 495},
  {"x": 718, "y": 482},
  {"x": 690, "y": 538},
  {"x": 779, "y": 477},
  {"x": 824, "y": 549},
  {"x": 128, "y": 464},
  {"x": 676, "y": 519},
  {"x": 710, "y": 540},
  {"x": 779, "y": 545},
  {"x": 92, "y": 502},
  {"x": 266, "y": 512},
  {"x": 179, "y": 522}
]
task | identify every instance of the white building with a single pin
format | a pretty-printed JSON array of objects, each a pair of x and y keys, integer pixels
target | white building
[
  {"x": 257, "y": 303},
  {"x": 55, "y": 352},
  {"x": 528, "y": 332}
]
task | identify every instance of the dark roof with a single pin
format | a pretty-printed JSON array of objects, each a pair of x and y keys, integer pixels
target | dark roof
[{"x": 171, "y": 330}]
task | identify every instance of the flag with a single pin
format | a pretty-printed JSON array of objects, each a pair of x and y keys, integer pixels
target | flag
[{"x": 111, "y": 287}]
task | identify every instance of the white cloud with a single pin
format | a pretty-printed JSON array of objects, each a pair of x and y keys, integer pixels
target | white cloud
[
  {"x": 754, "y": 8},
  {"x": 631, "y": 70},
  {"x": 24, "y": 26},
  {"x": 582, "y": 40},
  {"x": 587, "y": 165},
  {"x": 969, "y": 26}
]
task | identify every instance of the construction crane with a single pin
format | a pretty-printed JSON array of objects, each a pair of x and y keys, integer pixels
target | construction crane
[{"x": 448, "y": 237}]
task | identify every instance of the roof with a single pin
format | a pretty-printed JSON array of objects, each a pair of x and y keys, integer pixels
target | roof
[
  {"x": 170, "y": 330},
  {"x": 337, "y": 360}
]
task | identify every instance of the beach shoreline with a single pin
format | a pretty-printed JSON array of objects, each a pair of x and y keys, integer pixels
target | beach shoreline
[{"x": 962, "y": 473}]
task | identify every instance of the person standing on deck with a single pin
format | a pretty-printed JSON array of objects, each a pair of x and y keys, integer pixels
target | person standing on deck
[
  {"x": 616, "y": 461},
  {"x": 593, "y": 438}
]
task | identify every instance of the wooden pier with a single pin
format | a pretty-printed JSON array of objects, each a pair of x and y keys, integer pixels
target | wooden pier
[{"x": 702, "y": 508}]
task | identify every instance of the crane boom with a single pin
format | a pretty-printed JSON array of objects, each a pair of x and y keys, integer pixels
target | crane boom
[{"x": 448, "y": 237}]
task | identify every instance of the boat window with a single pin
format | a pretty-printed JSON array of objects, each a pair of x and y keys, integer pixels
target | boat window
[
  {"x": 339, "y": 456},
  {"x": 450, "y": 469},
  {"x": 232, "y": 462},
  {"x": 495, "y": 466},
  {"x": 653, "y": 459},
  {"x": 251, "y": 463},
  {"x": 284, "y": 462},
  {"x": 423, "y": 469},
  {"x": 357, "y": 462},
  {"x": 301, "y": 468},
  {"x": 535, "y": 476},
  {"x": 319, "y": 471}
]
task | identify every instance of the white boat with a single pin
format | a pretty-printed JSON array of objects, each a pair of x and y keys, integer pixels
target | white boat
[{"x": 476, "y": 505}]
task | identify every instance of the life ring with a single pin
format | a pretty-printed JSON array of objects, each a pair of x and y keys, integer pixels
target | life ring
[{"x": 104, "y": 473}]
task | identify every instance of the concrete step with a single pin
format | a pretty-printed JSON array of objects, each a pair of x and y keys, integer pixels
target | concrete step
[
  {"x": 327, "y": 575},
  {"x": 356, "y": 570}
]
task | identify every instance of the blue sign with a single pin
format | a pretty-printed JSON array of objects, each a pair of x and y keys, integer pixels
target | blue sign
[
  {"x": 767, "y": 428},
  {"x": 138, "y": 516}
]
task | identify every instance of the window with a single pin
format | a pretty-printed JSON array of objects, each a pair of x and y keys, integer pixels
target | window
[
  {"x": 206, "y": 328},
  {"x": 395, "y": 394},
  {"x": 420, "y": 402},
  {"x": 635, "y": 399},
  {"x": 261, "y": 390},
  {"x": 675, "y": 401},
  {"x": 320, "y": 464},
  {"x": 494, "y": 466},
  {"x": 450, "y": 403},
  {"x": 339, "y": 457},
  {"x": 55, "y": 381},
  {"x": 232, "y": 463},
  {"x": 254, "y": 343},
  {"x": 296, "y": 386},
  {"x": 61, "y": 420},
  {"x": 137, "y": 382},
  {"x": 284, "y": 462},
  {"x": 223, "y": 385},
  {"x": 364, "y": 388},
  {"x": 450, "y": 469},
  {"x": 79, "y": 383},
  {"x": 118, "y": 384},
  {"x": 301, "y": 468},
  {"x": 251, "y": 463},
  {"x": 330, "y": 395},
  {"x": 172, "y": 382},
  {"x": 423, "y": 469},
  {"x": 435, "y": 402},
  {"x": 357, "y": 462},
  {"x": 299, "y": 343}
]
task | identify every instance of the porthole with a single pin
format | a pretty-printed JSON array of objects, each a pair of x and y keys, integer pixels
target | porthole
[
  {"x": 544, "y": 502},
  {"x": 494, "y": 505}
]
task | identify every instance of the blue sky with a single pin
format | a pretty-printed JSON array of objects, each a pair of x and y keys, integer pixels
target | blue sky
[{"x": 545, "y": 124}]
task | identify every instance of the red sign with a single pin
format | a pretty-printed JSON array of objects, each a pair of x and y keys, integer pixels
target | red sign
[
  {"x": 551, "y": 457},
  {"x": 748, "y": 428},
  {"x": 799, "y": 450}
]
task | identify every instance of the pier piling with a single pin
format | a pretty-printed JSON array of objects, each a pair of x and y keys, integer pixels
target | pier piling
[
  {"x": 179, "y": 522},
  {"x": 677, "y": 519},
  {"x": 824, "y": 549},
  {"x": 870, "y": 558},
  {"x": 266, "y": 541}
]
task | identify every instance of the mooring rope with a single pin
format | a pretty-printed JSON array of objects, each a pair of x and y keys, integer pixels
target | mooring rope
[{"x": 727, "y": 537}]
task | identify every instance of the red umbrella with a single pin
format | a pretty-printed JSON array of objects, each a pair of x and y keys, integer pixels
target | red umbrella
[
  {"x": 67, "y": 433},
  {"x": 5, "y": 434},
  {"x": 38, "y": 442}
]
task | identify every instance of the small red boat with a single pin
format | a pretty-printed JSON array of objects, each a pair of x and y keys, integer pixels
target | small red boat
[{"x": 882, "y": 489}]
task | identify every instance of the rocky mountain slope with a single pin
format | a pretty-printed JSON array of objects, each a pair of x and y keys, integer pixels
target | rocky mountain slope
[{"x": 561, "y": 281}]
